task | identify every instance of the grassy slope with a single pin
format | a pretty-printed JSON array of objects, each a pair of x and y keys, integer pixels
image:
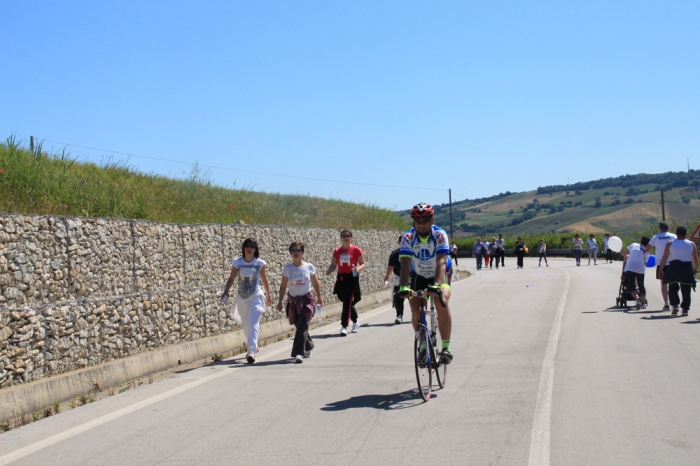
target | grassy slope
[{"x": 42, "y": 183}]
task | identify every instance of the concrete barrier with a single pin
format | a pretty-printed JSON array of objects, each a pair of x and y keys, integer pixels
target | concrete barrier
[{"x": 34, "y": 396}]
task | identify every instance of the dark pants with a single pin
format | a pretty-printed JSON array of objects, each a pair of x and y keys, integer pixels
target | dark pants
[
  {"x": 608, "y": 255},
  {"x": 500, "y": 254},
  {"x": 543, "y": 255},
  {"x": 347, "y": 290},
  {"x": 478, "y": 261},
  {"x": 398, "y": 302},
  {"x": 520, "y": 260},
  {"x": 673, "y": 295},
  {"x": 631, "y": 278},
  {"x": 302, "y": 339},
  {"x": 454, "y": 258},
  {"x": 577, "y": 255}
]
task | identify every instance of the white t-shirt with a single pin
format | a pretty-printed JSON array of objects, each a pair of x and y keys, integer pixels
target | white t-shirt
[
  {"x": 299, "y": 278},
  {"x": 248, "y": 276},
  {"x": 577, "y": 243},
  {"x": 635, "y": 260},
  {"x": 592, "y": 244},
  {"x": 486, "y": 245},
  {"x": 659, "y": 242},
  {"x": 681, "y": 250}
]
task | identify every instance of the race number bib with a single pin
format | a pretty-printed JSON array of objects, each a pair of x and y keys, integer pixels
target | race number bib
[{"x": 345, "y": 259}]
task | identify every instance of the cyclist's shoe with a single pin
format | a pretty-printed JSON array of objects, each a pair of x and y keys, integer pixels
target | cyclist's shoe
[
  {"x": 355, "y": 326},
  {"x": 398, "y": 320},
  {"x": 445, "y": 357},
  {"x": 666, "y": 307},
  {"x": 343, "y": 332}
]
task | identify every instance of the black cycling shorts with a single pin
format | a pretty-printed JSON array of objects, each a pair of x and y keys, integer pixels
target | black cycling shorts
[{"x": 421, "y": 283}]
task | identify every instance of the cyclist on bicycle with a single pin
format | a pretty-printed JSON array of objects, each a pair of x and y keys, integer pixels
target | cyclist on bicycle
[{"x": 424, "y": 254}]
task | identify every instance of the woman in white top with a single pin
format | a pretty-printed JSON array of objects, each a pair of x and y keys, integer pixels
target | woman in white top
[
  {"x": 633, "y": 269},
  {"x": 250, "y": 299},
  {"x": 542, "y": 249},
  {"x": 683, "y": 257},
  {"x": 300, "y": 276},
  {"x": 592, "y": 249}
]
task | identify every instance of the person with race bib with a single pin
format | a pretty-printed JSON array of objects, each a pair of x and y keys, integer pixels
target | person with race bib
[
  {"x": 350, "y": 261},
  {"x": 424, "y": 261},
  {"x": 250, "y": 300}
]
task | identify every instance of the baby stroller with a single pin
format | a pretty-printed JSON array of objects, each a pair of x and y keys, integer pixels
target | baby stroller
[{"x": 624, "y": 294}]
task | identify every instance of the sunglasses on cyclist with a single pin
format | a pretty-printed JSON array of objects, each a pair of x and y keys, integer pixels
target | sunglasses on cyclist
[
  {"x": 345, "y": 236},
  {"x": 292, "y": 251}
]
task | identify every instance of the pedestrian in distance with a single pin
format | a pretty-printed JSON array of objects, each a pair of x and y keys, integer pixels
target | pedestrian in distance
[
  {"x": 633, "y": 270},
  {"x": 477, "y": 251},
  {"x": 493, "y": 248},
  {"x": 577, "y": 246},
  {"x": 681, "y": 256},
  {"x": 486, "y": 252},
  {"x": 250, "y": 302},
  {"x": 592, "y": 246},
  {"x": 300, "y": 276},
  {"x": 606, "y": 249},
  {"x": 542, "y": 250},
  {"x": 393, "y": 274},
  {"x": 658, "y": 242},
  {"x": 350, "y": 261},
  {"x": 520, "y": 250},
  {"x": 501, "y": 246},
  {"x": 454, "y": 252}
]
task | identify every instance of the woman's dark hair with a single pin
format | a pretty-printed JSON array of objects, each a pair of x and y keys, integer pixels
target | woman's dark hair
[
  {"x": 346, "y": 232},
  {"x": 253, "y": 243},
  {"x": 644, "y": 241},
  {"x": 681, "y": 231},
  {"x": 297, "y": 244}
]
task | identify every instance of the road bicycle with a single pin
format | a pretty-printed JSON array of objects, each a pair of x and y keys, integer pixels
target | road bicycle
[{"x": 426, "y": 347}]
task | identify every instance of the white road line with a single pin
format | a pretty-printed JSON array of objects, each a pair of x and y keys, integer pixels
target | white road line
[
  {"x": 77, "y": 430},
  {"x": 539, "y": 443}
]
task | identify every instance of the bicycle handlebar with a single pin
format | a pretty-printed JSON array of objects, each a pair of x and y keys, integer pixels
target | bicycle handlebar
[{"x": 421, "y": 293}]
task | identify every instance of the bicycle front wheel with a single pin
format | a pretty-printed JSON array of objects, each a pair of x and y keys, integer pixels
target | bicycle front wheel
[
  {"x": 440, "y": 369},
  {"x": 424, "y": 373}
]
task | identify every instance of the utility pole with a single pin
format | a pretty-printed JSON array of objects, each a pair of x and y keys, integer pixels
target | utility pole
[
  {"x": 451, "y": 225},
  {"x": 663, "y": 207},
  {"x": 31, "y": 144}
]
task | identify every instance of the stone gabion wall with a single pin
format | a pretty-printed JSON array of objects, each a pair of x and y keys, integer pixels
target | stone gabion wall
[{"x": 76, "y": 292}]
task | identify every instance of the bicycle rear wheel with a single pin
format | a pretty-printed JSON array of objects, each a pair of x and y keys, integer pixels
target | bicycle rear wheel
[{"x": 424, "y": 373}]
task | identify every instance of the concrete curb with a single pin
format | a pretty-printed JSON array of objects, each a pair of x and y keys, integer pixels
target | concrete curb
[{"x": 35, "y": 396}]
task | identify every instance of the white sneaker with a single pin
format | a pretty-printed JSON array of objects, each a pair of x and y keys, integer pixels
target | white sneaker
[
  {"x": 343, "y": 332},
  {"x": 398, "y": 320},
  {"x": 355, "y": 326},
  {"x": 307, "y": 354},
  {"x": 644, "y": 306},
  {"x": 299, "y": 359}
]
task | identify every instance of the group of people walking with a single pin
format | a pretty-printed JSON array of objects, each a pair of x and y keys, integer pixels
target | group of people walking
[
  {"x": 489, "y": 253},
  {"x": 677, "y": 264},
  {"x": 299, "y": 278}
]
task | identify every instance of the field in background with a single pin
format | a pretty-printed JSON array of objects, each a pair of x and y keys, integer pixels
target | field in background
[{"x": 41, "y": 183}]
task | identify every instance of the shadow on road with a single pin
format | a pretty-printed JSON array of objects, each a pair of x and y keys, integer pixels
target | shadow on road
[
  {"x": 379, "y": 325},
  {"x": 690, "y": 322},
  {"x": 403, "y": 400},
  {"x": 659, "y": 317}
]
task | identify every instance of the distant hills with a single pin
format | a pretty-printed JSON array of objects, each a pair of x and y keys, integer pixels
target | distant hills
[{"x": 621, "y": 205}]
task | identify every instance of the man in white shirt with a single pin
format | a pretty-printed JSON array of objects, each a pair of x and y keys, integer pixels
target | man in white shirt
[{"x": 658, "y": 242}]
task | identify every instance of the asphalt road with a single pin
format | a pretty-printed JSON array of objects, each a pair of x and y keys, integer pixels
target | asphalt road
[{"x": 545, "y": 372}]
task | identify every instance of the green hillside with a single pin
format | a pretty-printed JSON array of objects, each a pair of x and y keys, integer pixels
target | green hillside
[
  {"x": 622, "y": 205},
  {"x": 41, "y": 183}
]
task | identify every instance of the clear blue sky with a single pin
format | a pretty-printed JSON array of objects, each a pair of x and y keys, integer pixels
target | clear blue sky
[{"x": 482, "y": 97}]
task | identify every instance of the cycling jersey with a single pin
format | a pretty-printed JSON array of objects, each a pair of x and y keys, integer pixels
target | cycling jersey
[{"x": 423, "y": 251}]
